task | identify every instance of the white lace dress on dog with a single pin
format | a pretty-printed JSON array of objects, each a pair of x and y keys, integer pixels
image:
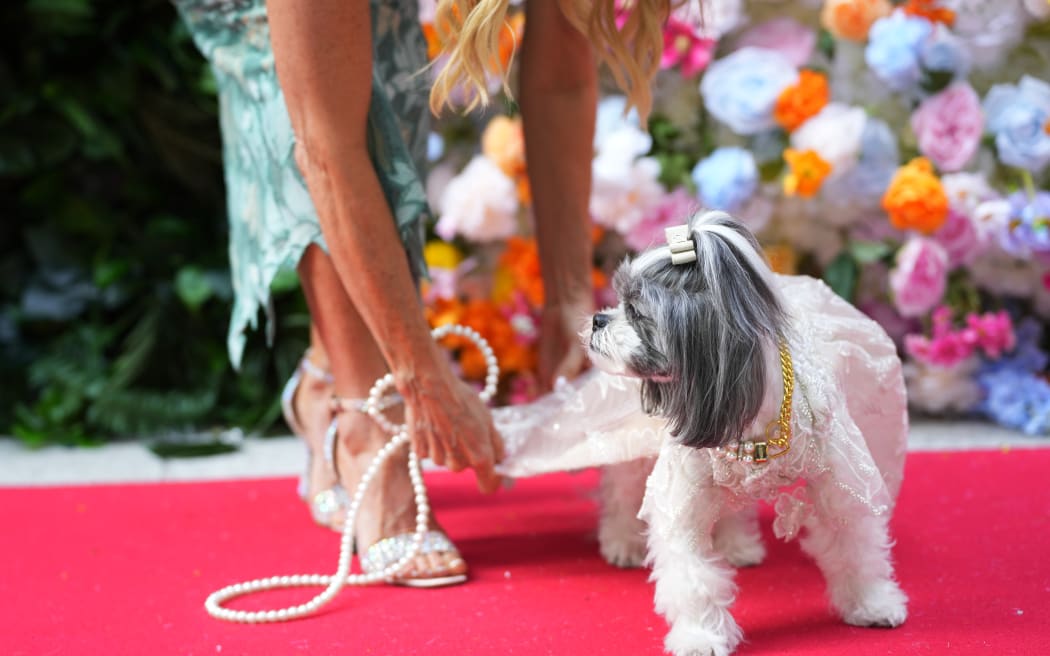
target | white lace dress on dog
[{"x": 597, "y": 419}]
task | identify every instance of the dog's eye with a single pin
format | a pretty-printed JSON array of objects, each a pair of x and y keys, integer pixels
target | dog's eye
[{"x": 632, "y": 314}]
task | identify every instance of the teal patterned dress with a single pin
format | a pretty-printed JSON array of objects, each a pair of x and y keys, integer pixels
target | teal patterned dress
[{"x": 272, "y": 219}]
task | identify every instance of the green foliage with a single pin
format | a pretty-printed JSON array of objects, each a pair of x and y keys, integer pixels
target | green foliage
[{"x": 114, "y": 288}]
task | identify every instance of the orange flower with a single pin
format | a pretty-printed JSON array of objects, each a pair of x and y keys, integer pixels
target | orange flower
[
  {"x": 519, "y": 268},
  {"x": 510, "y": 39},
  {"x": 800, "y": 101},
  {"x": 851, "y": 19},
  {"x": 929, "y": 10},
  {"x": 915, "y": 199},
  {"x": 808, "y": 170},
  {"x": 434, "y": 42},
  {"x": 782, "y": 259}
]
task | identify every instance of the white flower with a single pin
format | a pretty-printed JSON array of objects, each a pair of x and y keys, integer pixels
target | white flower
[
  {"x": 437, "y": 181},
  {"x": 932, "y": 388},
  {"x": 624, "y": 190},
  {"x": 799, "y": 222},
  {"x": 835, "y": 134},
  {"x": 481, "y": 204},
  {"x": 967, "y": 190},
  {"x": 1039, "y": 9},
  {"x": 1000, "y": 273},
  {"x": 989, "y": 29},
  {"x": 712, "y": 18}
]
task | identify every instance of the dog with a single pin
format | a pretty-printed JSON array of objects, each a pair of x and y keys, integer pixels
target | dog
[{"x": 765, "y": 382}]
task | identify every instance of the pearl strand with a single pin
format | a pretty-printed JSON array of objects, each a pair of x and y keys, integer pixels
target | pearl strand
[{"x": 334, "y": 583}]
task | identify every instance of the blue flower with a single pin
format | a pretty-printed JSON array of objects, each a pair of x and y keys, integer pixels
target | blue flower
[
  {"x": 878, "y": 163},
  {"x": 741, "y": 89},
  {"x": 1015, "y": 395},
  {"x": 611, "y": 117},
  {"x": 1028, "y": 230},
  {"x": 1017, "y": 399},
  {"x": 726, "y": 179},
  {"x": 894, "y": 47},
  {"x": 435, "y": 147},
  {"x": 1018, "y": 115},
  {"x": 944, "y": 53}
]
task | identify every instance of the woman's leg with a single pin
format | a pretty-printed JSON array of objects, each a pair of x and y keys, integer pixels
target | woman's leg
[{"x": 356, "y": 363}]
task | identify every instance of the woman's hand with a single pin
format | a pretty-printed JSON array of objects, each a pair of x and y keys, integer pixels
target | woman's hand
[
  {"x": 561, "y": 353},
  {"x": 448, "y": 423}
]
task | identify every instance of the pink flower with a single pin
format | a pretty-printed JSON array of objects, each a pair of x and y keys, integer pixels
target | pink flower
[
  {"x": 920, "y": 277},
  {"x": 949, "y": 125},
  {"x": 994, "y": 332},
  {"x": 685, "y": 49},
  {"x": 944, "y": 351},
  {"x": 787, "y": 36},
  {"x": 674, "y": 209},
  {"x": 958, "y": 235}
]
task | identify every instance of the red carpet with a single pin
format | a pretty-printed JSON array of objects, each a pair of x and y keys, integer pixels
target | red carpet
[{"x": 125, "y": 570}]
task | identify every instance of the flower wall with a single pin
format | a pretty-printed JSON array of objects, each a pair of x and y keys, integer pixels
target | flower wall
[{"x": 898, "y": 150}]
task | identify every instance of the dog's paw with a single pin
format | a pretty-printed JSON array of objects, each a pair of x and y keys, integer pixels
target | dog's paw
[
  {"x": 882, "y": 603},
  {"x": 691, "y": 639},
  {"x": 624, "y": 551}
]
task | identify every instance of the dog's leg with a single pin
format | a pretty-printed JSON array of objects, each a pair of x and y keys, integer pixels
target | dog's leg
[
  {"x": 694, "y": 585},
  {"x": 852, "y": 548},
  {"x": 620, "y": 533},
  {"x": 738, "y": 538}
]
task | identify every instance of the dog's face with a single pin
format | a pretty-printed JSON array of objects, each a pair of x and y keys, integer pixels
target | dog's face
[{"x": 694, "y": 333}]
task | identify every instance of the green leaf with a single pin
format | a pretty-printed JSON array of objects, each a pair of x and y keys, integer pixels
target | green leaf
[
  {"x": 193, "y": 287},
  {"x": 841, "y": 275},
  {"x": 866, "y": 252},
  {"x": 285, "y": 280}
]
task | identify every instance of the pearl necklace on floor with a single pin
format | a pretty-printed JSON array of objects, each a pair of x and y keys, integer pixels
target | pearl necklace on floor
[{"x": 333, "y": 583}]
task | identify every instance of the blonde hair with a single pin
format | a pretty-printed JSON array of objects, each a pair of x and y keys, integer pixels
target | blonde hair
[{"x": 470, "y": 31}]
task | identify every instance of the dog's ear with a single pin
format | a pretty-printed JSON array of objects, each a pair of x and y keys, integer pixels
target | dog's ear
[
  {"x": 713, "y": 336},
  {"x": 716, "y": 381}
]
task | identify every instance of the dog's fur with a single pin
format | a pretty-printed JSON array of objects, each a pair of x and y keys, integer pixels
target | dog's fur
[{"x": 703, "y": 338}]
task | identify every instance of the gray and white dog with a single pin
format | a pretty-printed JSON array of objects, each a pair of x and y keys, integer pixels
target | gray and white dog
[{"x": 764, "y": 381}]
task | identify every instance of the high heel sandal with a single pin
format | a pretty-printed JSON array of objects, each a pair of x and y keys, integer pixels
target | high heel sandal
[
  {"x": 390, "y": 550},
  {"x": 326, "y": 505}
]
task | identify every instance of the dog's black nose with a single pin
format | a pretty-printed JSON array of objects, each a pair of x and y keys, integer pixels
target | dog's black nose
[{"x": 600, "y": 321}]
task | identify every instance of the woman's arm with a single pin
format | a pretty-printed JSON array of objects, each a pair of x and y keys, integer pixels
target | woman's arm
[
  {"x": 559, "y": 95},
  {"x": 323, "y": 54}
]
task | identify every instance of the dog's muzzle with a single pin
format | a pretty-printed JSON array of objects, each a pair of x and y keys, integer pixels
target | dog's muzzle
[{"x": 600, "y": 321}]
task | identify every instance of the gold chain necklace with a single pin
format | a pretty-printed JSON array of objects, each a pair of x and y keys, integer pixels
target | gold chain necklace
[{"x": 778, "y": 432}]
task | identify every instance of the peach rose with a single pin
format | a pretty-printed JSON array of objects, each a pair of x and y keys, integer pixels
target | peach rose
[{"x": 851, "y": 19}]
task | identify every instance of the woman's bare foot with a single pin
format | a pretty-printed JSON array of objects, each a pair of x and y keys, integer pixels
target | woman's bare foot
[{"x": 389, "y": 508}]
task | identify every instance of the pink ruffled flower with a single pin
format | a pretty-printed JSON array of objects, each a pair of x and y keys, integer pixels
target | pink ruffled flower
[
  {"x": 685, "y": 49},
  {"x": 993, "y": 332},
  {"x": 674, "y": 209},
  {"x": 944, "y": 348},
  {"x": 949, "y": 126},
  {"x": 920, "y": 277},
  {"x": 787, "y": 36},
  {"x": 959, "y": 237}
]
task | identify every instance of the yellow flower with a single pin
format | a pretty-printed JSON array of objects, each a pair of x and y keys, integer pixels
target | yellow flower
[
  {"x": 808, "y": 170},
  {"x": 441, "y": 255},
  {"x": 503, "y": 142}
]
